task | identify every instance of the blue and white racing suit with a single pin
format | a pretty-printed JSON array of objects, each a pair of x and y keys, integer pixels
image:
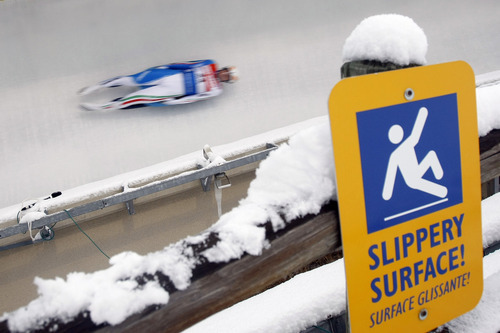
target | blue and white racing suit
[{"x": 176, "y": 83}]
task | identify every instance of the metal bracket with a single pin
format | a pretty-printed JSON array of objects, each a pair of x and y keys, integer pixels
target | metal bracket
[
  {"x": 46, "y": 233},
  {"x": 222, "y": 181},
  {"x": 130, "y": 207},
  {"x": 205, "y": 183}
]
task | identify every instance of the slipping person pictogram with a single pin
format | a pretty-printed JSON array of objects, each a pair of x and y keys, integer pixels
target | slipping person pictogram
[{"x": 405, "y": 159}]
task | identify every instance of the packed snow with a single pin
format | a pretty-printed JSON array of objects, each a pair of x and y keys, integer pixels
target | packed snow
[
  {"x": 491, "y": 230},
  {"x": 296, "y": 179},
  {"x": 289, "y": 307},
  {"x": 387, "y": 38}
]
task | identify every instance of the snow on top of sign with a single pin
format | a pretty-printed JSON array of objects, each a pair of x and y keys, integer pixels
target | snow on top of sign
[{"x": 387, "y": 38}]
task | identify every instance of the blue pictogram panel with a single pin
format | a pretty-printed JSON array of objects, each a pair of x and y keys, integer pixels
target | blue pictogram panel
[{"x": 410, "y": 159}]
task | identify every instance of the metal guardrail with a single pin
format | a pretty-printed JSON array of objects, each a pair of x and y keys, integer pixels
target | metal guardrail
[{"x": 130, "y": 194}]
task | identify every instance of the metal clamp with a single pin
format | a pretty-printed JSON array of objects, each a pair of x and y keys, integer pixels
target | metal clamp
[
  {"x": 222, "y": 181},
  {"x": 205, "y": 183},
  {"x": 46, "y": 233}
]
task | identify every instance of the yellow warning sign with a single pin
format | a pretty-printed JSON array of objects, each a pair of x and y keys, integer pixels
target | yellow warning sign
[{"x": 407, "y": 165}]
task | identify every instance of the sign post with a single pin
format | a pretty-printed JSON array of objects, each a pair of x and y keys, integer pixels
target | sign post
[{"x": 409, "y": 192}]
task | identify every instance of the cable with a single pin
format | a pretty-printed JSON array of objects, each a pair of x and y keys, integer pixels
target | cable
[
  {"x": 72, "y": 219},
  {"x": 30, "y": 223}
]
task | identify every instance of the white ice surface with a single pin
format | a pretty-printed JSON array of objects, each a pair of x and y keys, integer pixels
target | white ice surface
[{"x": 289, "y": 53}]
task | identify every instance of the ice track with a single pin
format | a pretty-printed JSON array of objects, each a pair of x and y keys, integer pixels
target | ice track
[{"x": 288, "y": 53}]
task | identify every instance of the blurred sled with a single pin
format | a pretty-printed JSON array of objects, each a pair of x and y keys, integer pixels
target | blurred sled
[{"x": 176, "y": 83}]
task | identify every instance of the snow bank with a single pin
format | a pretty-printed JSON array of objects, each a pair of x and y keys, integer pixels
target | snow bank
[
  {"x": 108, "y": 296},
  {"x": 387, "y": 38}
]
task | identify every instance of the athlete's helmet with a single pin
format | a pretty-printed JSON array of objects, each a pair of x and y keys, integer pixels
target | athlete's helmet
[{"x": 233, "y": 72}]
